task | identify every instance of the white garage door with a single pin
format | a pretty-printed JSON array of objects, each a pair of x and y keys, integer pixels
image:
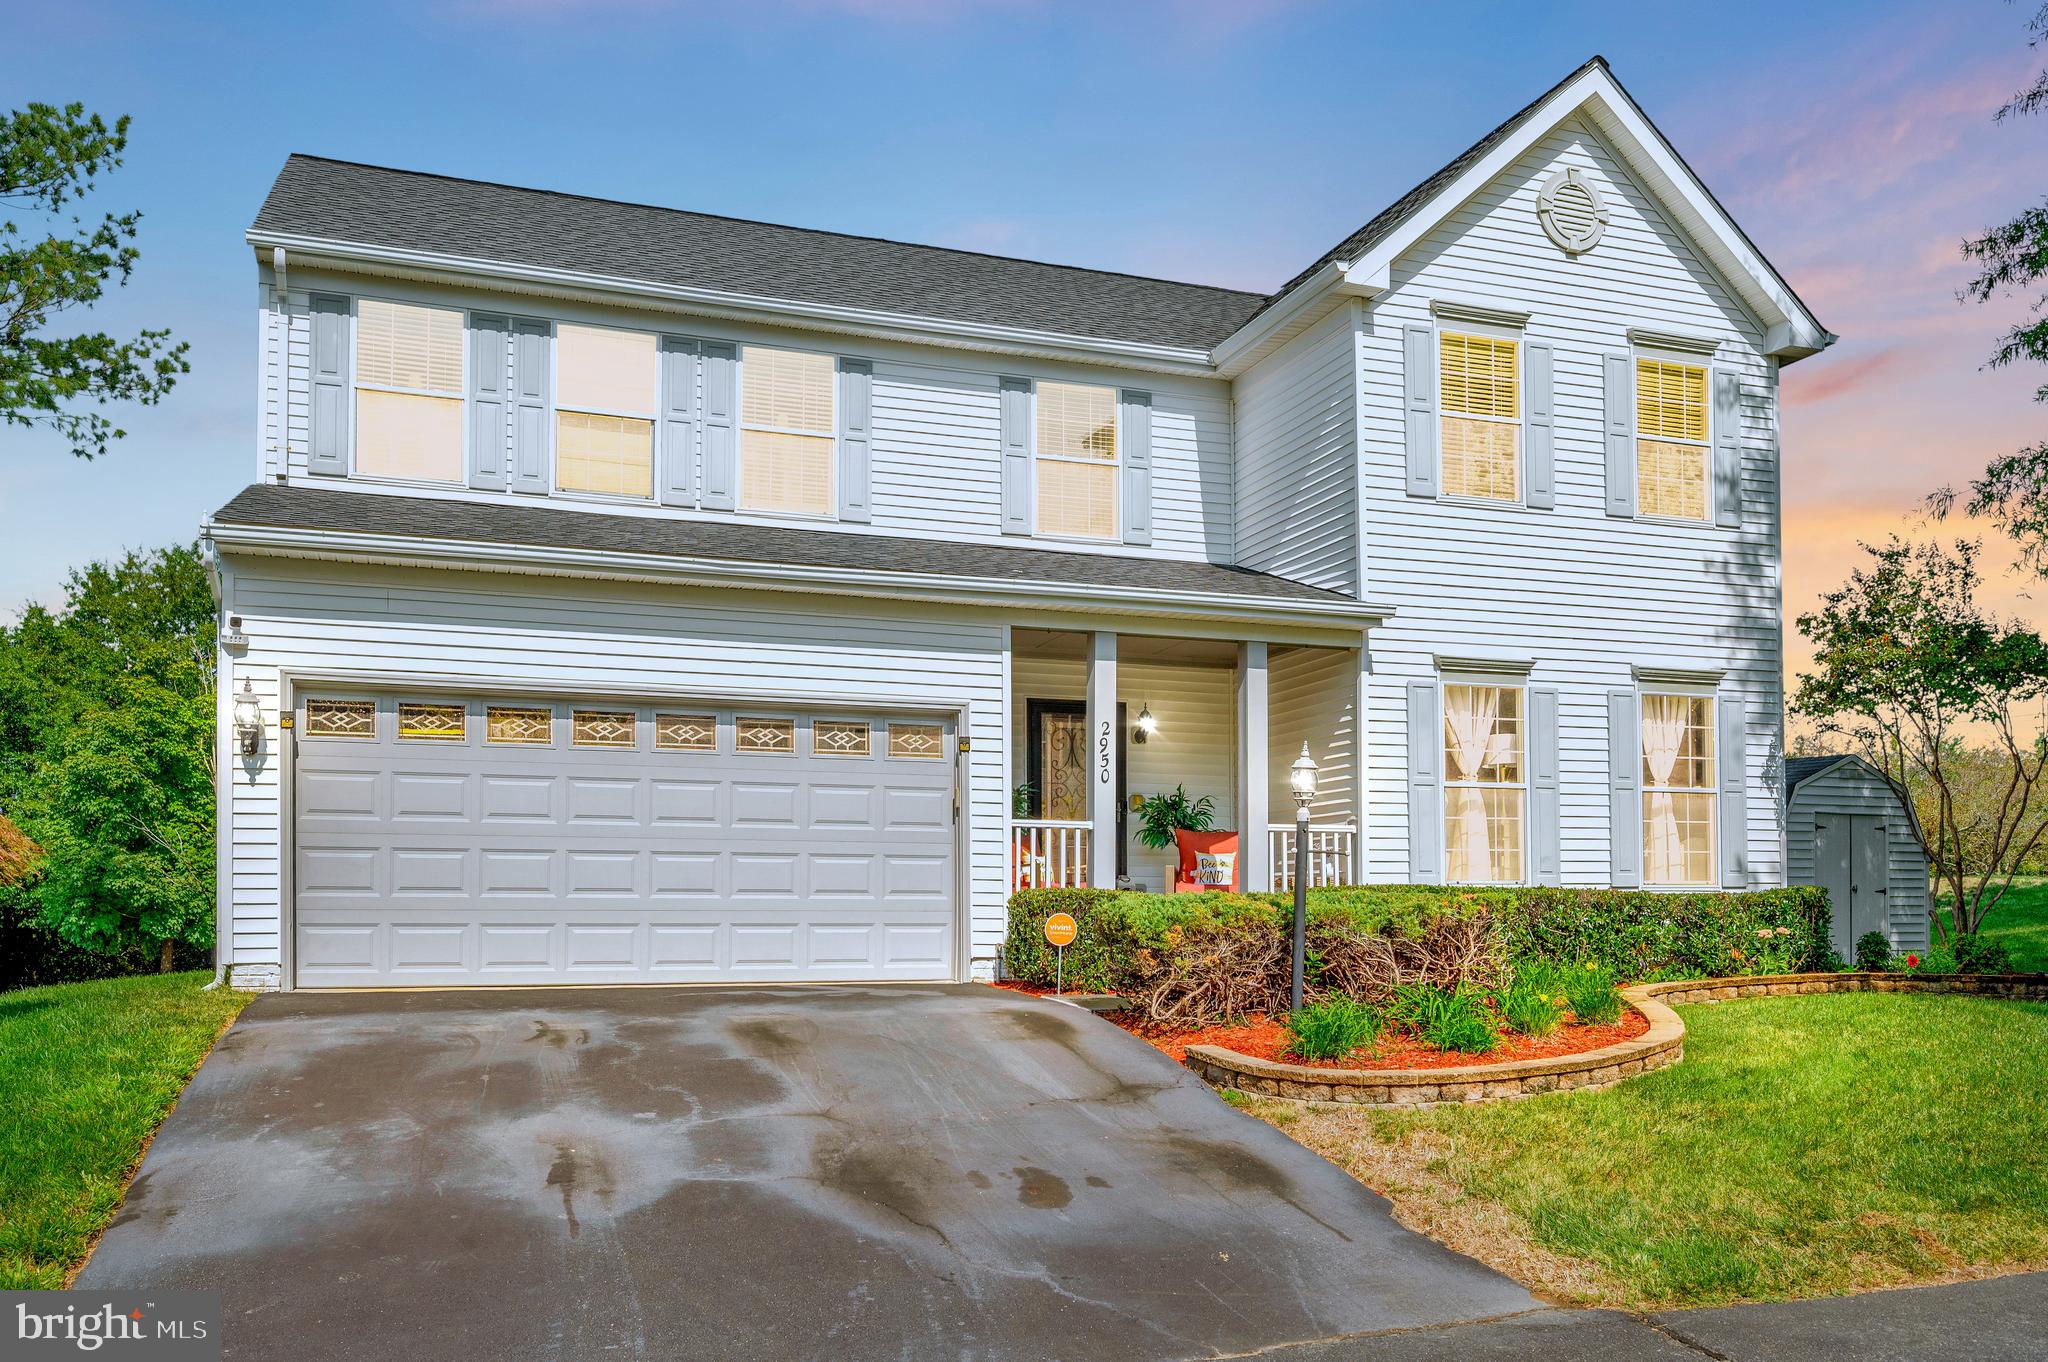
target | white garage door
[{"x": 467, "y": 840}]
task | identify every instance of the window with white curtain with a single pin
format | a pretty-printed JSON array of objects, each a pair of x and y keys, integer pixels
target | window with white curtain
[
  {"x": 1077, "y": 461},
  {"x": 1486, "y": 784},
  {"x": 1678, "y": 789},
  {"x": 1480, "y": 389},
  {"x": 787, "y": 430},
  {"x": 606, "y": 386},
  {"x": 408, "y": 391},
  {"x": 1672, "y": 453}
]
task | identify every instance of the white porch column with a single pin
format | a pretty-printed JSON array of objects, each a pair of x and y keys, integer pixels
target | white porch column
[
  {"x": 1253, "y": 769},
  {"x": 1102, "y": 772}
]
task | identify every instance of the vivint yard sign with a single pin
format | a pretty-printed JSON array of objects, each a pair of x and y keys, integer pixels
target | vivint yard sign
[{"x": 167, "y": 1326}]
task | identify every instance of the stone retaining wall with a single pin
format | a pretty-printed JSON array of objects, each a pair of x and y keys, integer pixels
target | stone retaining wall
[{"x": 1661, "y": 1045}]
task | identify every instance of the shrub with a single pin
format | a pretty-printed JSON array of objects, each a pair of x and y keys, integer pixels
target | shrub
[
  {"x": 1534, "y": 1003},
  {"x": 1940, "y": 959},
  {"x": 1331, "y": 1028},
  {"x": 1449, "y": 1018},
  {"x": 1873, "y": 951},
  {"x": 1981, "y": 954},
  {"x": 1641, "y": 934},
  {"x": 1592, "y": 995}
]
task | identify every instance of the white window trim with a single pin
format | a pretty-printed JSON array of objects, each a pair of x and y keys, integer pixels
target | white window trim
[
  {"x": 741, "y": 425},
  {"x": 1693, "y": 691},
  {"x": 556, "y": 407},
  {"x": 1116, "y": 466},
  {"x": 1503, "y": 680},
  {"x": 355, "y": 430},
  {"x": 1691, "y": 359},
  {"x": 1454, "y": 320}
]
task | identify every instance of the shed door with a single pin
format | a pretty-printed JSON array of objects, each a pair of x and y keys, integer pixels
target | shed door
[
  {"x": 464, "y": 840},
  {"x": 1852, "y": 864}
]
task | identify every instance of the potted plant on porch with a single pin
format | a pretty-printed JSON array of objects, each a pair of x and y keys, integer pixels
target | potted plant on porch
[{"x": 1160, "y": 815}]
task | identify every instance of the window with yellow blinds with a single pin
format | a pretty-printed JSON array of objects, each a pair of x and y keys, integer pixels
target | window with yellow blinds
[
  {"x": 606, "y": 387},
  {"x": 787, "y": 430},
  {"x": 1077, "y": 453},
  {"x": 408, "y": 391},
  {"x": 1480, "y": 393},
  {"x": 1673, "y": 460}
]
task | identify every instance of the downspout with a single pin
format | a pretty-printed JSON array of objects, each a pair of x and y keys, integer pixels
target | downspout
[{"x": 223, "y": 867}]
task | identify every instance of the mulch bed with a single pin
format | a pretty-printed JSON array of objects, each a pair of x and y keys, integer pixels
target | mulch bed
[{"x": 1261, "y": 1037}]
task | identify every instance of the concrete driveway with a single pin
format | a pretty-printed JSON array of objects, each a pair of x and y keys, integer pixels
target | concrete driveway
[{"x": 899, "y": 1171}]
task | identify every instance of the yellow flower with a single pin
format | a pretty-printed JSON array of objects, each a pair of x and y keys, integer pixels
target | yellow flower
[{"x": 1591, "y": 966}]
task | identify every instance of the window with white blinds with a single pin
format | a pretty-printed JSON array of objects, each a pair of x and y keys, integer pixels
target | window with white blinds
[
  {"x": 786, "y": 430},
  {"x": 1077, "y": 460},
  {"x": 606, "y": 389},
  {"x": 1673, "y": 457},
  {"x": 1480, "y": 385},
  {"x": 408, "y": 382}
]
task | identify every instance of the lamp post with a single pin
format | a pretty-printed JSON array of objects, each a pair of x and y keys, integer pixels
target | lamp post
[{"x": 1301, "y": 778}]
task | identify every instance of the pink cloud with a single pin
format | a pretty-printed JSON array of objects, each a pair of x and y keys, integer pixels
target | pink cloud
[{"x": 1837, "y": 378}]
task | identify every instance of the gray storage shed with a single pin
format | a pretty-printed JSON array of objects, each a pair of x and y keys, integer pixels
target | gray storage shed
[{"x": 1850, "y": 830}]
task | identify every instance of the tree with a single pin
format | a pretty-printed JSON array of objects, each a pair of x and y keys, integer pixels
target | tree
[
  {"x": 50, "y": 157},
  {"x": 1906, "y": 664}
]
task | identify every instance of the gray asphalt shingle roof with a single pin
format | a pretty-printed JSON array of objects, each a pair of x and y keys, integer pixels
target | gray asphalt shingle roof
[{"x": 488, "y": 522}]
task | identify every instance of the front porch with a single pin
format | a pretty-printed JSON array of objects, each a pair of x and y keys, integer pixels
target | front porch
[{"x": 1100, "y": 721}]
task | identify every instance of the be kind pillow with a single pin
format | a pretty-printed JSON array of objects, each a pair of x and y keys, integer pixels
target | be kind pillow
[{"x": 1208, "y": 860}]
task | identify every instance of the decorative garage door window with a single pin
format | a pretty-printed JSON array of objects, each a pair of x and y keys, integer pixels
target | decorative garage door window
[
  {"x": 522, "y": 726},
  {"x": 839, "y": 738},
  {"x": 765, "y": 735},
  {"x": 341, "y": 718},
  {"x": 602, "y": 728},
  {"x": 421, "y": 721},
  {"x": 921, "y": 741},
  {"x": 686, "y": 732}
]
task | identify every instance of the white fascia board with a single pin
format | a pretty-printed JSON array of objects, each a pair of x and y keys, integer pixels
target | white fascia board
[
  {"x": 361, "y": 258},
  {"x": 412, "y": 551},
  {"x": 1305, "y": 304}
]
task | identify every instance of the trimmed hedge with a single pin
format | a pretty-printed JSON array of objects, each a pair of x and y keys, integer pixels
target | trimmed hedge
[{"x": 1203, "y": 958}]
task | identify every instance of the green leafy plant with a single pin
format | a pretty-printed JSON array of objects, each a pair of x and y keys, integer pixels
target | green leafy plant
[
  {"x": 1534, "y": 1003},
  {"x": 1873, "y": 951},
  {"x": 1981, "y": 954},
  {"x": 1940, "y": 959},
  {"x": 1591, "y": 993},
  {"x": 1331, "y": 1028},
  {"x": 1458, "y": 1019},
  {"x": 1021, "y": 798},
  {"x": 1160, "y": 815}
]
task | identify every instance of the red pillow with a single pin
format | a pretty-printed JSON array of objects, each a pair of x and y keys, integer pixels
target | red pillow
[{"x": 1208, "y": 860}]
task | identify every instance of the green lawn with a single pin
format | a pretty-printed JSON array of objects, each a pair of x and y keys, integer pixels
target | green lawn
[
  {"x": 2021, "y": 921},
  {"x": 1806, "y": 1146},
  {"x": 87, "y": 1072}
]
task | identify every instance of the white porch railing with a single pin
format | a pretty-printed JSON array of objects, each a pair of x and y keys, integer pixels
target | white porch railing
[
  {"x": 1048, "y": 853},
  {"x": 1332, "y": 855}
]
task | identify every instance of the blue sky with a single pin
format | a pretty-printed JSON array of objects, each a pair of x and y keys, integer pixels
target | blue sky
[{"x": 1222, "y": 142}]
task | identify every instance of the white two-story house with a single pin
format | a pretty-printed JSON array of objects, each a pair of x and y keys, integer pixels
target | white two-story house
[{"x": 632, "y": 595}]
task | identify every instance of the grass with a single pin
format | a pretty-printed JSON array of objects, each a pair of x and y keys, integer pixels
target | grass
[
  {"x": 1806, "y": 1146},
  {"x": 87, "y": 1072},
  {"x": 2021, "y": 921}
]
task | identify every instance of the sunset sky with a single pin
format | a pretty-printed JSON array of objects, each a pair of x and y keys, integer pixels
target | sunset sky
[{"x": 1226, "y": 141}]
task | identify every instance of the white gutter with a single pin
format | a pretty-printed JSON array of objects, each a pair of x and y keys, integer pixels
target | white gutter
[
  {"x": 1301, "y": 306},
  {"x": 947, "y": 588},
  {"x": 356, "y": 257}
]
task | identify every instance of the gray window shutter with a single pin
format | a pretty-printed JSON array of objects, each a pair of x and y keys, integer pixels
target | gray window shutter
[
  {"x": 1624, "y": 783},
  {"x": 1732, "y": 761},
  {"x": 1015, "y": 395},
  {"x": 856, "y": 417},
  {"x": 488, "y": 337},
  {"x": 1621, "y": 434},
  {"x": 1425, "y": 784},
  {"x": 530, "y": 443},
  {"x": 1539, "y": 426},
  {"x": 721, "y": 451},
  {"x": 1546, "y": 864},
  {"x": 1137, "y": 452},
  {"x": 1418, "y": 343},
  {"x": 678, "y": 421},
  {"x": 1727, "y": 447},
  {"x": 328, "y": 452}
]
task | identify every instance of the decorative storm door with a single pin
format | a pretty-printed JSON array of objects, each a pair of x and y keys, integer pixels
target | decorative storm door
[{"x": 1059, "y": 762}]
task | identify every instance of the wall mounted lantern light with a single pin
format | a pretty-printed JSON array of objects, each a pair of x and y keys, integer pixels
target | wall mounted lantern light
[
  {"x": 248, "y": 720},
  {"x": 1142, "y": 731}
]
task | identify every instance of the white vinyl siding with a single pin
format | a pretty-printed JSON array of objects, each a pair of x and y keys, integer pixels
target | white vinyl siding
[
  {"x": 408, "y": 391},
  {"x": 604, "y": 411},
  {"x": 1296, "y": 479},
  {"x": 786, "y": 431},
  {"x": 1312, "y": 697}
]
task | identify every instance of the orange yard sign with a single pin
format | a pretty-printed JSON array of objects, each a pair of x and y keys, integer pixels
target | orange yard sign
[{"x": 1061, "y": 929}]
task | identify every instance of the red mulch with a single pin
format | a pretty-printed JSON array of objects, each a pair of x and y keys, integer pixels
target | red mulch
[{"x": 1265, "y": 1038}]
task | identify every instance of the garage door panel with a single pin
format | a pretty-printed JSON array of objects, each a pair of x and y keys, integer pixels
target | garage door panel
[{"x": 424, "y": 861}]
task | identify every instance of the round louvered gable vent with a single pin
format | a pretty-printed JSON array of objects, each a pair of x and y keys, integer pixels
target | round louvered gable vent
[{"x": 1572, "y": 212}]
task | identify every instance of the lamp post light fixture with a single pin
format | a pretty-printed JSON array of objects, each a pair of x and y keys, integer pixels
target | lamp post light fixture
[
  {"x": 1301, "y": 778},
  {"x": 248, "y": 720}
]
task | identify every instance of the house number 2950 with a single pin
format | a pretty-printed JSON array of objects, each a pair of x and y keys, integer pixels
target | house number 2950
[{"x": 1102, "y": 754}]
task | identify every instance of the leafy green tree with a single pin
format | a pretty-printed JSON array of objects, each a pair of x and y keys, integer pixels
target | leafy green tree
[
  {"x": 1906, "y": 663},
  {"x": 51, "y": 158}
]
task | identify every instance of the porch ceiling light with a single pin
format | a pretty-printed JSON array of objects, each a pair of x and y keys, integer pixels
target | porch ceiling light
[
  {"x": 1146, "y": 725},
  {"x": 1301, "y": 777},
  {"x": 248, "y": 720}
]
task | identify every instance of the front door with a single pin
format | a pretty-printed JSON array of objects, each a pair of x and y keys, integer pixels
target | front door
[
  {"x": 1056, "y": 732},
  {"x": 1851, "y": 863}
]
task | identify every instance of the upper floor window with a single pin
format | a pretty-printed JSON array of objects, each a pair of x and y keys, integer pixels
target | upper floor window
[
  {"x": 1486, "y": 784},
  {"x": 1481, "y": 401},
  {"x": 606, "y": 384},
  {"x": 1673, "y": 456},
  {"x": 408, "y": 380},
  {"x": 1678, "y": 789},
  {"x": 1077, "y": 461},
  {"x": 786, "y": 431}
]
